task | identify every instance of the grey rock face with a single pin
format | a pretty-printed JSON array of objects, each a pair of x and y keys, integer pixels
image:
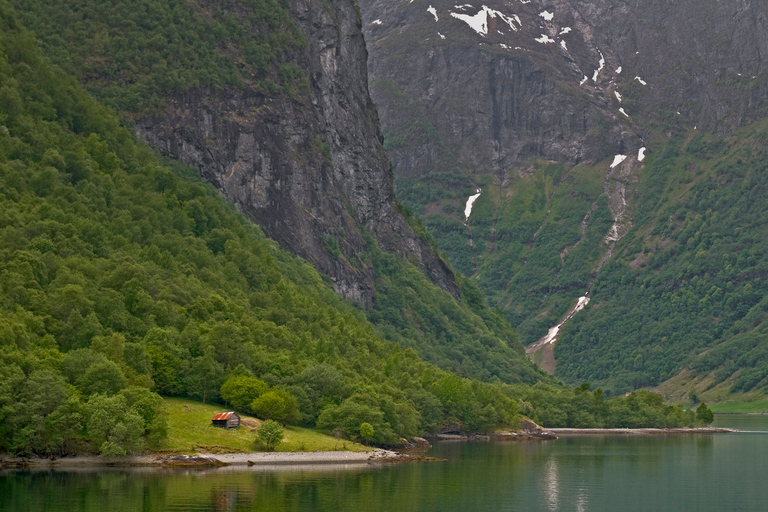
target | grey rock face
[
  {"x": 309, "y": 170},
  {"x": 503, "y": 82}
]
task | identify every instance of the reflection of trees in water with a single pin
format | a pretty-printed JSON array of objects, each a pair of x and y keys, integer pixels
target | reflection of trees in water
[{"x": 224, "y": 500}]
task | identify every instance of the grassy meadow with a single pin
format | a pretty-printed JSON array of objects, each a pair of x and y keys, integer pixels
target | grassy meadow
[{"x": 190, "y": 431}]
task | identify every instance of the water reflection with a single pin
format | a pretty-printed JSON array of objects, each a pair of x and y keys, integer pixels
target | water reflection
[{"x": 550, "y": 484}]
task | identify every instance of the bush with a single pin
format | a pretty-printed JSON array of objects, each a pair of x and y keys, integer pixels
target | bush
[
  {"x": 704, "y": 414},
  {"x": 277, "y": 404},
  {"x": 348, "y": 417},
  {"x": 269, "y": 434},
  {"x": 242, "y": 390}
]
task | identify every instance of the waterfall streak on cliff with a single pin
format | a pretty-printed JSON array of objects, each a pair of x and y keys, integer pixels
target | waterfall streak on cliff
[{"x": 470, "y": 202}]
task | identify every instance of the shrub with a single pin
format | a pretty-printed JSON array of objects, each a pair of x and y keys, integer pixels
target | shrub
[
  {"x": 277, "y": 404},
  {"x": 269, "y": 434}
]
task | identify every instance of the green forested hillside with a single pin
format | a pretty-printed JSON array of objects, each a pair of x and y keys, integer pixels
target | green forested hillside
[
  {"x": 132, "y": 57},
  {"x": 122, "y": 276},
  {"x": 118, "y": 277},
  {"x": 687, "y": 287},
  {"x": 534, "y": 249},
  {"x": 132, "y": 54}
]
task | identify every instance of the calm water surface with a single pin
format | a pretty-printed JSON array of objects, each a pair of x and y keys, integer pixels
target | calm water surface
[{"x": 661, "y": 473}]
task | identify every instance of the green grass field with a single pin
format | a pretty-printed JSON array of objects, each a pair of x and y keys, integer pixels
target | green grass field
[
  {"x": 756, "y": 406},
  {"x": 190, "y": 431}
]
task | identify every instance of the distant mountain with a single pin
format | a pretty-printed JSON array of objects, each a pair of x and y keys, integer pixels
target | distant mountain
[{"x": 587, "y": 127}]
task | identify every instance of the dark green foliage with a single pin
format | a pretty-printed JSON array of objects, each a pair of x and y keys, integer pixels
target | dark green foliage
[
  {"x": 465, "y": 338},
  {"x": 347, "y": 418},
  {"x": 134, "y": 55},
  {"x": 534, "y": 242},
  {"x": 580, "y": 408},
  {"x": 704, "y": 414},
  {"x": 688, "y": 280}
]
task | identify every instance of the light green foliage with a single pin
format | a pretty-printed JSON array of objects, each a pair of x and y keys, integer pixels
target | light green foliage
[
  {"x": 366, "y": 431},
  {"x": 242, "y": 390},
  {"x": 277, "y": 404},
  {"x": 269, "y": 434}
]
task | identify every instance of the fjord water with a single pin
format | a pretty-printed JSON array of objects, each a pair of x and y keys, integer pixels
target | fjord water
[{"x": 595, "y": 473}]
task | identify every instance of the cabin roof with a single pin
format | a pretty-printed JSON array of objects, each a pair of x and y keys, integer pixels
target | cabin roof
[{"x": 223, "y": 416}]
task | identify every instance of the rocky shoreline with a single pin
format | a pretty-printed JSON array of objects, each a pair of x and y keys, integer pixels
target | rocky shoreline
[
  {"x": 206, "y": 460},
  {"x": 639, "y": 431}
]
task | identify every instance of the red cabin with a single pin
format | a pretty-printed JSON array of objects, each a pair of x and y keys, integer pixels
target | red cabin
[{"x": 226, "y": 420}]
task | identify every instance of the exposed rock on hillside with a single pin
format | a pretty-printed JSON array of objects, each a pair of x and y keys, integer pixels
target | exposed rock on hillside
[
  {"x": 501, "y": 82},
  {"x": 309, "y": 169}
]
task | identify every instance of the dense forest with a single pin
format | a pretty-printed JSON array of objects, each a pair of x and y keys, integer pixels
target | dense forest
[
  {"x": 124, "y": 277},
  {"x": 133, "y": 58},
  {"x": 688, "y": 286},
  {"x": 684, "y": 290}
]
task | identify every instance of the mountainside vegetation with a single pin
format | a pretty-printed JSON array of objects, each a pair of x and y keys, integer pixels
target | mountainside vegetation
[
  {"x": 683, "y": 290},
  {"x": 123, "y": 276},
  {"x": 686, "y": 288},
  {"x": 133, "y": 58},
  {"x": 118, "y": 276},
  {"x": 133, "y": 55},
  {"x": 620, "y": 154}
]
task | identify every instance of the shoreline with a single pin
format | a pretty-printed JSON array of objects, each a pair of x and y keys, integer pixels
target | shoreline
[
  {"x": 327, "y": 458},
  {"x": 639, "y": 431},
  {"x": 209, "y": 460}
]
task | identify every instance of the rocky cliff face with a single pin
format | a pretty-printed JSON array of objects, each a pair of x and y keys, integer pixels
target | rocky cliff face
[
  {"x": 503, "y": 82},
  {"x": 310, "y": 170}
]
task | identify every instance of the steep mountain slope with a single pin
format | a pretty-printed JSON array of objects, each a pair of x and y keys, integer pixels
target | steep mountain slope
[
  {"x": 495, "y": 97},
  {"x": 270, "y": 102},
  {"x": 118, "y": 275},
  {"x": 550, "y": 108},
  {"x": 686, "y": 289}
]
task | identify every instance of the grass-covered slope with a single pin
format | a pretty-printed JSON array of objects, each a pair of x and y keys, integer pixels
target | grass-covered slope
[{"x": 190, "y": 431}]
